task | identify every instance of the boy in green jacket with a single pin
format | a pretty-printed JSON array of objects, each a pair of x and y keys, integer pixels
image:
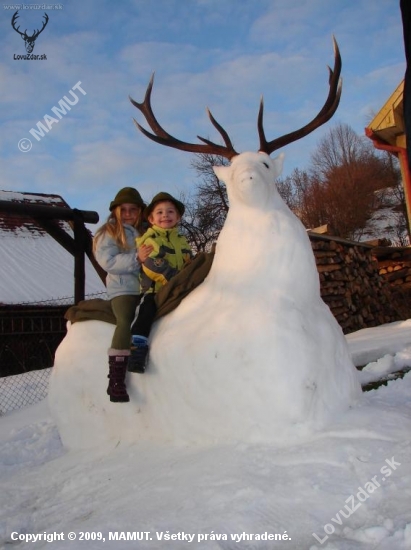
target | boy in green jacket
[{"x": 171, "y": 252}]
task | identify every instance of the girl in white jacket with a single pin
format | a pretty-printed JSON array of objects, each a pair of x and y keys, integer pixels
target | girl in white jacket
[{"x": 115, "y": 250}]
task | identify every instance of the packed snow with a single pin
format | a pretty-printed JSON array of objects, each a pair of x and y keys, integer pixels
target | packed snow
[
  {"x": 223, "y": 495},
  {"x": 252, "y": 354}
]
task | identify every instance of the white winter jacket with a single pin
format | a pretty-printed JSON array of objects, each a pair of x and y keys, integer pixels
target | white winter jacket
[{"x": 121, "y": 265}]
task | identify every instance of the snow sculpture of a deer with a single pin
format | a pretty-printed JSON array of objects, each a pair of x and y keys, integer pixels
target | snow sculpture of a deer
[
  {"x": 253, "y": 353},
  {"x": 263, "y": 298}
]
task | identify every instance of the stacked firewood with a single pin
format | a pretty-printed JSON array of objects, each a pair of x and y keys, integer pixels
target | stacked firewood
[
  {"x": 394, "y": 265},
  {"x": 352, "y": 286}
]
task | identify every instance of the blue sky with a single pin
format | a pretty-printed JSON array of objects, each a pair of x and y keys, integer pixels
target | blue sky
[{"x": 223, "y": 54}]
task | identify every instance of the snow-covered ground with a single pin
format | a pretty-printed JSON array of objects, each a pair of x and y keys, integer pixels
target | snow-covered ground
[
  {"x": 249, "y": 429},
  {"x": 345, "y": 487}
]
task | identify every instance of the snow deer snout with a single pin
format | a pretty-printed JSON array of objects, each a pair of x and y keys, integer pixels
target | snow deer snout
[{"x": 250, "y": 178}]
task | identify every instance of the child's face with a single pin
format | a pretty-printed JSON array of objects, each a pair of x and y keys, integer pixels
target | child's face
[
  {"x": 129, "y": 213},
  {"x": 164, "y": 215}
]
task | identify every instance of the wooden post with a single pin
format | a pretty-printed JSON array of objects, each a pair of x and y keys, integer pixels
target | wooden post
[{"x": 79, "y": 264}]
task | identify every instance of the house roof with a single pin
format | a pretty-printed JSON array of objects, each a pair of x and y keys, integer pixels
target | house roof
[
  {"x": 34, "y": 267},
  {"x": 14, "y": 223},
  {"x": 388, "y": 123}
]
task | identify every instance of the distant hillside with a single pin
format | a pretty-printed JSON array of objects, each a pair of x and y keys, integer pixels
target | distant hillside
[{"x": 388, "y": 221}]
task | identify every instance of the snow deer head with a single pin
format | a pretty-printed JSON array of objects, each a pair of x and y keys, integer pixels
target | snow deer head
[{"x": 250, "y": 175}]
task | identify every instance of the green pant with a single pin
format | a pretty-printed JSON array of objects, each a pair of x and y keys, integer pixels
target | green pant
[{"x": 124, "y": 309}]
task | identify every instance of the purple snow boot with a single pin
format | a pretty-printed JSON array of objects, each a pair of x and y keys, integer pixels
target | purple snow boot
[{"x": 117, "y": 374}]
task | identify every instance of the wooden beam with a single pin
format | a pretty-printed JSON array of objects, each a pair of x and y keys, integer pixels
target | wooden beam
[{"x": 47, "y": 212}]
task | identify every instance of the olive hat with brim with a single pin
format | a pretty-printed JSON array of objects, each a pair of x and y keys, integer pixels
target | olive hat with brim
[
  {"x": 127, "y": 195},
  {"x": 163, "y": 197}
]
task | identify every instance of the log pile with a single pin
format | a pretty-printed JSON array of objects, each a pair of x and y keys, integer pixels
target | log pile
[
  {"x": 394, "y": 265},
  {"x": 358, "y": 295}
]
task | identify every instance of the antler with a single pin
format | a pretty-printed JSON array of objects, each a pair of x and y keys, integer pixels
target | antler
[
  {"x": 13, "y": 21},
  {"x": 327, "y": 111},
  {"x": 35, "y": 34},
  {"x": 227, "y": 151},
  {"x": 24, "y": 34},
  {"x": 164, "y": 138}
]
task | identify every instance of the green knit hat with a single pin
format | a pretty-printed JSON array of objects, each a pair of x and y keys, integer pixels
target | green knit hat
[
  {"x": 160, "y": 197},
  {"x": 127, "y": 195}
]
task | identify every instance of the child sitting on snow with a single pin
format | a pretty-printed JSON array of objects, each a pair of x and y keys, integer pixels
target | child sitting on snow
[
  {"x": 171, "y": 252},
  {"x": 115, "y": 251}
]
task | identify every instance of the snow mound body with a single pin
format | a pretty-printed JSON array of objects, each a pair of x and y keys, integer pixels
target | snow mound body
[{"x": 253, "y": 354}]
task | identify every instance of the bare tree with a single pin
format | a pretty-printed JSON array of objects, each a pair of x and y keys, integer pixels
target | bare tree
[
  {"x": 341, "y": 146},
  {"x": 345, "y": 173},
  {"x": 206, "y": 209}
]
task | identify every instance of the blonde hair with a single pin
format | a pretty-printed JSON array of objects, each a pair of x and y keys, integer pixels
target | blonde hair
[{"x": 114, "y": 227}]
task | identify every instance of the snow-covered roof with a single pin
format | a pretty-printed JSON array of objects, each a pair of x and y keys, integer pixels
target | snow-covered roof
[{"x": 34, "y": 267}]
